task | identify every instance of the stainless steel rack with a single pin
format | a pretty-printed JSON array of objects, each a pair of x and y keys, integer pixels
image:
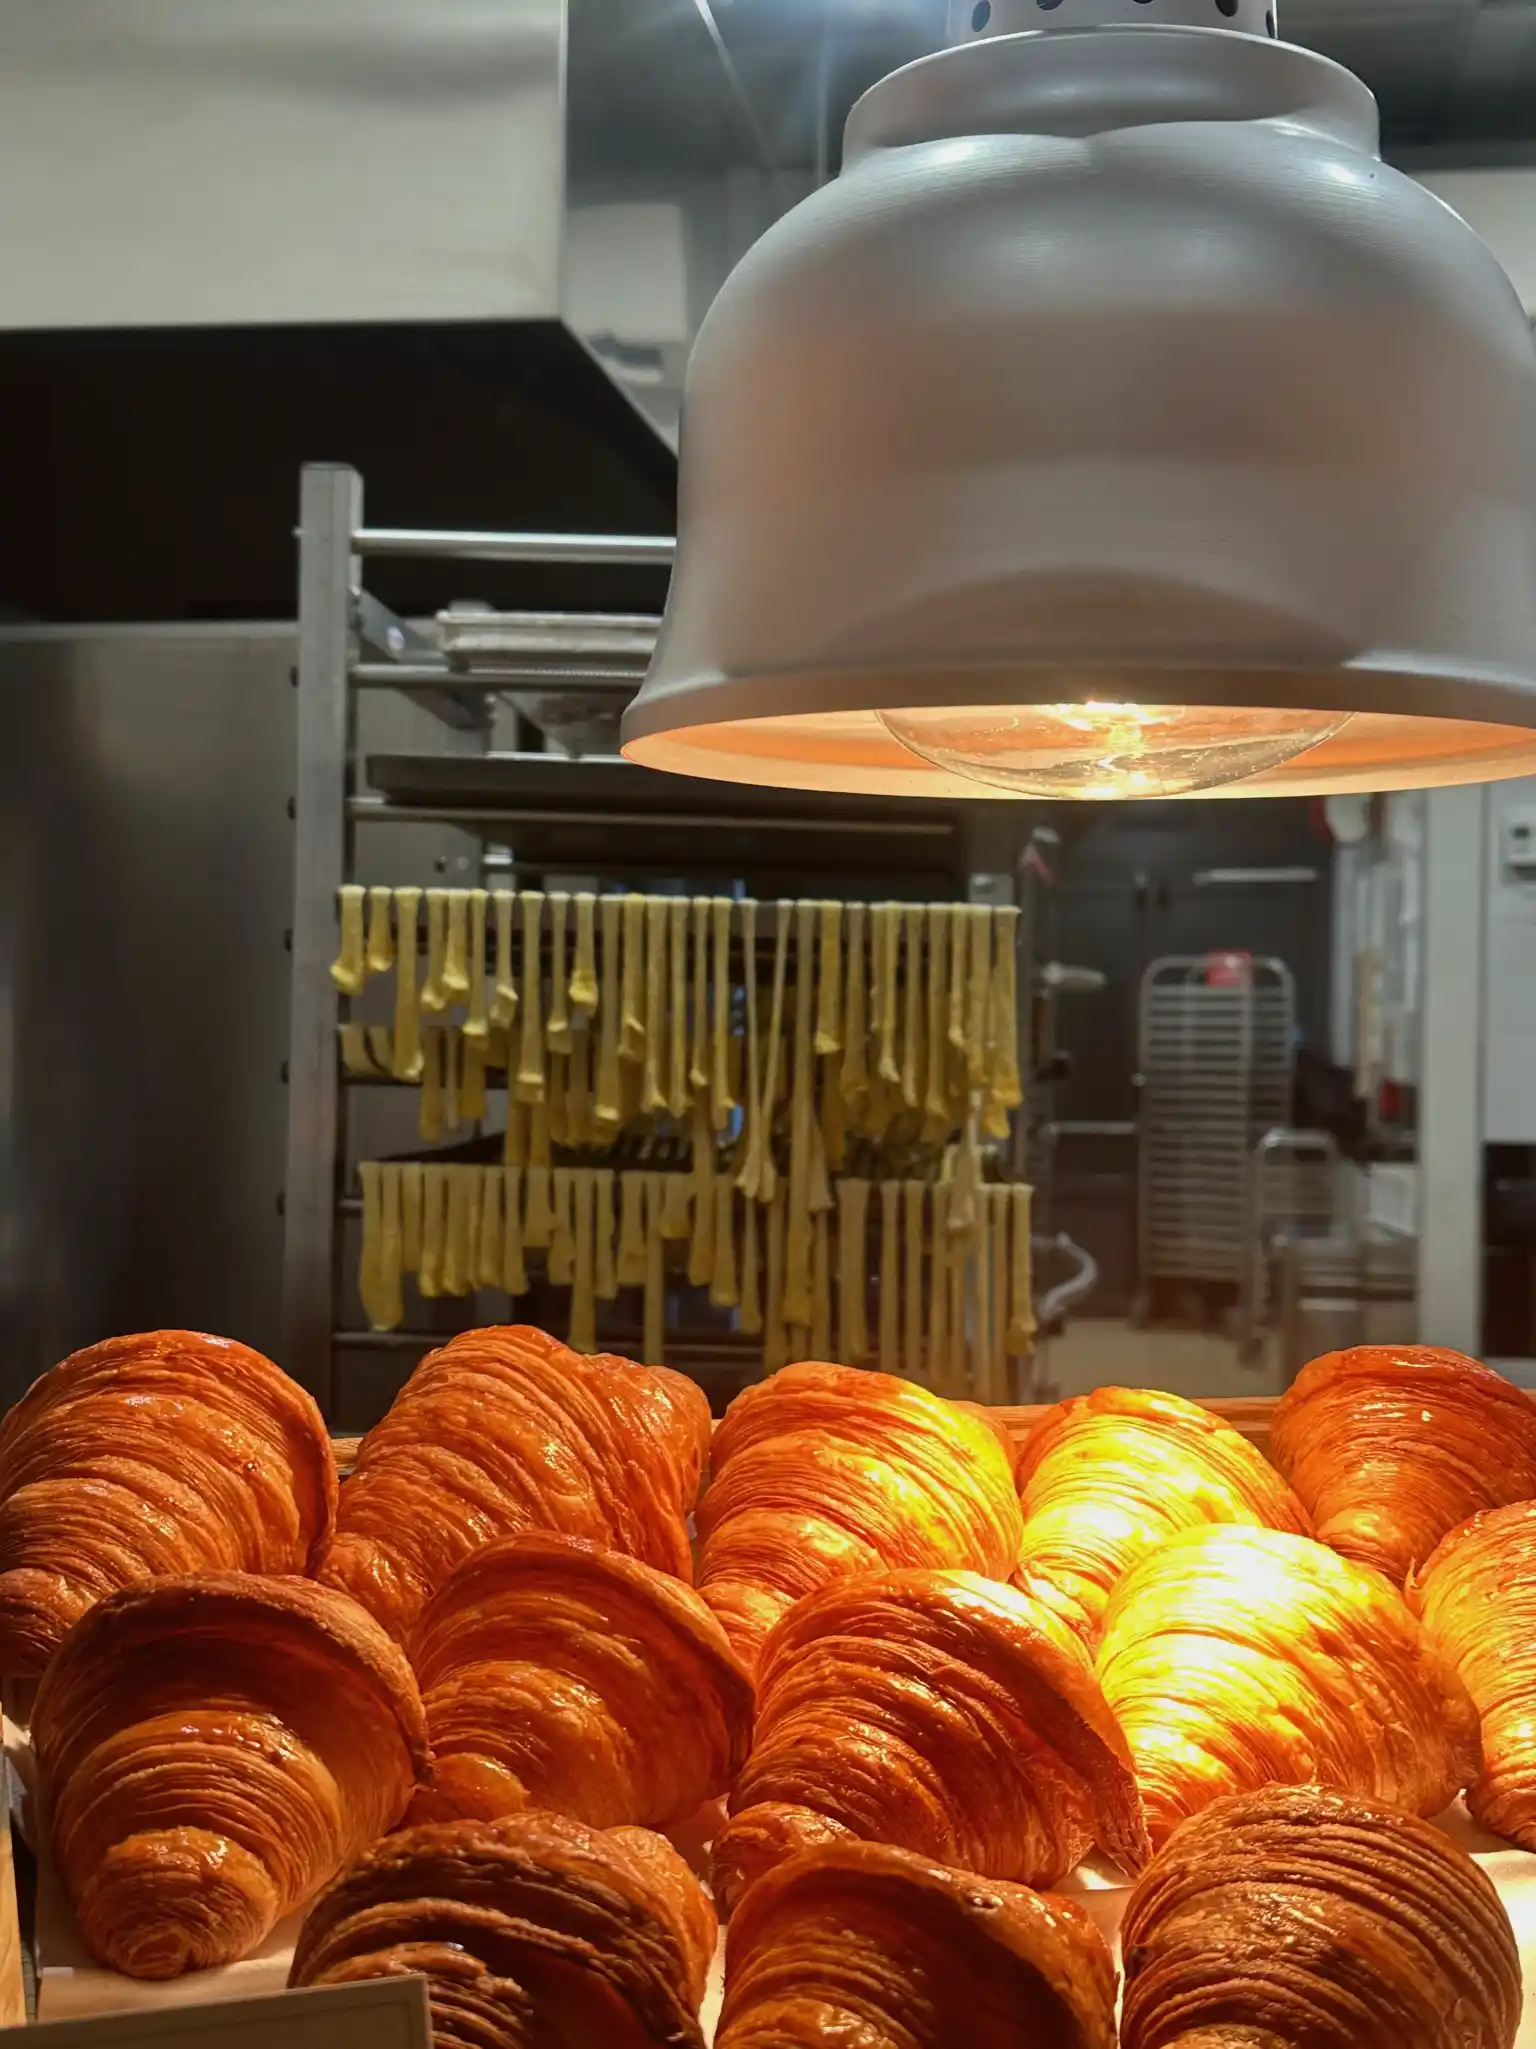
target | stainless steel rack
[{"x": 603, "y": 817}]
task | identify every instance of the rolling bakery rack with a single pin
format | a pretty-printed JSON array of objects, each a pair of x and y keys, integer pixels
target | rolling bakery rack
[{"x": 533, "y": 813}]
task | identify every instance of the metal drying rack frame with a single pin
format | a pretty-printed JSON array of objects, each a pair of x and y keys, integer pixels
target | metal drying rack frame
[{"x": 349, "y": 642}]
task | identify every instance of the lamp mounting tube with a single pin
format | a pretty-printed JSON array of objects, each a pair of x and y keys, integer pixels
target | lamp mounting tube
[{"x": 971, "y": 19}]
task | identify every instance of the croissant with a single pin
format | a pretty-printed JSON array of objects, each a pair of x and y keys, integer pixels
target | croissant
[
  {"x": 166, "y": 1453},
  {"x": 210, "y": 1751},
  {"x": 1295, "y": 1916},
  {"x": 867, "y": 1947},
  {"x": 1477, "y": 1597},
  {"x": 1239, "y": 1658},
  {"x": 505, "y": 1430},
  {"x": 825, "y": 1470},
  {"x": 560, "y": 1676},
  {"x": 1390, "y": 1447},
  {"x": 531, "y": 1930},
  {"x": 1105, "y": 1477},
  {"x": 938, "y": 1711}
]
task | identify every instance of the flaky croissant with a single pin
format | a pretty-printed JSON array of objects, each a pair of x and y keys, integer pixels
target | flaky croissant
[
  {"x": 1238, "y": 1658},
  {"x": 210, "y": 1751},
  {"x": 165, "y": 1453},
  {"x": 940, "y": 1712},
  {"x": 1477, "y": 1596},
  {"x": 1295, "y": 1918},
  {"x": 1391, "y": 1446},
  {"x": 859, "y": 1946},
  {"x": 531, "y": 1930},
  {"x": 505, "y": 1430},
  {"x": 560, "y": 1676},
  {"x": 820, "y": 1471},
  {"x": 1105, "y": 1477}
]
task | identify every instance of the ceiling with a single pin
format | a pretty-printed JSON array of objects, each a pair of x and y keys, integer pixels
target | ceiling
[{"x": 771, "y": 81}]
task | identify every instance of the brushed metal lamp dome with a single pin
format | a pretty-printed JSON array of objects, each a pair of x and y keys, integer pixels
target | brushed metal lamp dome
[{"x": 1117, "y": 424}]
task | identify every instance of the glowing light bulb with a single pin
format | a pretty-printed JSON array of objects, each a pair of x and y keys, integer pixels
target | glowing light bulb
[{"x": 1109, "y": 751}]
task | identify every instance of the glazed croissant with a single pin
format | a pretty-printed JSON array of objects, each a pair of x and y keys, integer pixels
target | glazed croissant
[
  {"x": 938, "y": 1711},
  {"x": 505, "y": 1430},
  {"x": 1105, "y": 1477},
  {"x": 825, "y": 1470},
  {"x": 1477, "y": 1596},
  {"x": 1239, "y": 1658},
  {"x": 1390, "y": 1447},
  {"x": 531, "y": 1930},
  {"x": 557, "y": 1675},
  {"x": 859, "y": 1944},
  {"x": 1296, "y": 1916},
  {"x": 165, "y": 1453},
  {"x": 210, "y": 1751}
]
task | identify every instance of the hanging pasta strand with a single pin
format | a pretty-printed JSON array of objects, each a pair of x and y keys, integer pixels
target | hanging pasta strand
[
  {"x": 370, "y": 1286},
  {"x": 979, "y": 956},
  {"x": 349, "y": 970},
  {"x": 750, "y": 1319},
  {"x": 504, "y": 991},
  {"x": 724, "y": 1283},
  {"x": 381, "y": 935},
  {"x": 940, "y": 1364},
  {"x": 408, "y": 1055},
  {"x": 514, "y": 1270},
  {"x": 1000, "y": 1203},
  {"x": 886, "y": 936},
  {"x": 488, "y": 1245},
  {"x": 477, "y": 1025},
  {"x": 606, "y": 1275},
  {"x": 456, "y": 947},
  {"x": 890, "y": 1276},
  {"x": 381, "y": 1049},
  {"x": 531, "y": 1071},
  {"x": 434, "y": 997},
  {"x": 829, "y": 990},
  {"x": 821, "y": 1290},
  {"x": 797, "y": 1245},
  {"x": 936, "y": 1117},
  {"x": 1021, "y": 1299},
  {"x": 356, "y": 1054},
  {"x": 1005, "y": 1087},
  {"x": 854, "y": 1083},
  {"x": 913, "y": 1076},
  {"x": 538, "y": 1209},
  {"x": 677, "y": 1209},
  {"x": 410, "y": 1216},
  {"x": 585, "y": 993},
  {"x": 913, "y": 1362},
  {"x": 751, "y": 1170},
  {"x": 658, "y": 925},
  {"x": 722, "y": 1103},
  {"x": 583, "y": 1330},
  {"x": 699, "y": 1056},
  {"x": 768, "y": 1177},
  {"x": 632, "y": 982},
  {"x": 701, "y": 1244},
  {"x": 557, "y": 1032},
  {"x": 514, "y": 1149},
  {"x": 853, "y": 1271},
  {"x": 434, "y": 1231},
  {"x": 579, "y": 1127},
  {"x": 607, "y": 1102},
  {"x": 450, "y": 1089},
  {"x": 655, "y": 1305},
  {"x": 459, "y": 1242},
  {"x": 631, "y": 1254},
  {"x": 775, "y": 1332},
  {"x": 429, "y": 1111},
  {"x": 472, "y": 1098},
  {"x": 679, "y": 1090}
]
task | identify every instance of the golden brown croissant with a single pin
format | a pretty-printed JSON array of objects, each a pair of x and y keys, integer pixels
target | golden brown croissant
[
  {"x": 557, "y": 1675},
  {"x": 1105, "y": 1477},
  {"x": 1390, "y": 1446},
  {"x": 1239, "y": 1658},
  {"x": 938, "y": 1711},
  {"x": 1295, "y": 1918},
  {"x": 860, "y": 1946},
  {"x": 211, "y": 1750},
  {"x": 531, "y": 1930},
  {"x": 505, "y": 1430},
  {"x": 1477, "y": 1596},
  {"x": 170, "y": 1452},
  {"x": 825, "y": 1470}
]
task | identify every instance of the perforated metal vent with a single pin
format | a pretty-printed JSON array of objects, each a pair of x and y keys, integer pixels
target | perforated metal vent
[{"x": 969, "y": 19}]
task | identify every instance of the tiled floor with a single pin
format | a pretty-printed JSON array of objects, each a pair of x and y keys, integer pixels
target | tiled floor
[{"x": 1094, "y": 1352}]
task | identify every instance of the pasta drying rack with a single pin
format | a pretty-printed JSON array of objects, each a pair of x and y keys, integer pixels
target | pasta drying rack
[{"x": 529, "y": 812}]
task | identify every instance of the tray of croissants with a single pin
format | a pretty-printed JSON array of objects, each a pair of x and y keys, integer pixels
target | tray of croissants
[{"x": 859, "y": 1718}]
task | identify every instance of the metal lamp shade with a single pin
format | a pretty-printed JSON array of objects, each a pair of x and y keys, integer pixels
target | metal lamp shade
[{"x": 1115, "y": 368}]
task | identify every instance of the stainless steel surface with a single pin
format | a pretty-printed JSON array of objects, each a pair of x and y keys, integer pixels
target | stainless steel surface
[
  {"x": 968, "y": 23},
  {"x": 384, "y": 812},
  {"x": 1106, "y": 471},
  {"x": 395, "y": 641},
  {"x": 1079, "y": 1285},
  {"x": 330, "y": 511},
  {"x": 145, "y": 885},
  {"x": 1297, "y": 1190},
  {"x": 654, "y": 549}
]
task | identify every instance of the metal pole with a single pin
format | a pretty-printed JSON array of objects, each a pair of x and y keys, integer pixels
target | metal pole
[
  {"x": 330, "y": 511},
  {"x": 654, "y": 549}
]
